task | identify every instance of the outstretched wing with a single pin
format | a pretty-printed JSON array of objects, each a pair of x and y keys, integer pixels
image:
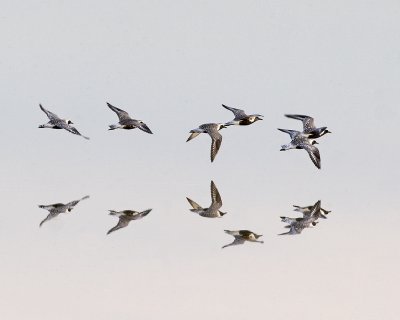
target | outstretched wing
[
  {"x": 50, "y": 216},
  {"x": 235, "y": 242},
  {"x": 192, "y": 136},
  {"x": 215, "y": 143},
  {"x": 291, "y": 133},
  {"x": 122, "y": 223},
  {"x": 237, "y": 112},
  {"x": 50, "y": 115},
  {"x": 215, "y": 197},
  {"x": 75, "y": 202},
  {"x": 308, "y": 122},
  {"x": 122, "y": 115},
  {"x": 313, "y": 152},
  {"x": 194, "y": 205},
  {"x": 73, "y": 130}
]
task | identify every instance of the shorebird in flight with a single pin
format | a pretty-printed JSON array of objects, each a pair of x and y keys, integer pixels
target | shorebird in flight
[
  {"x": 212, "y": 130},
  {"x": 297, "y": 225},
  {"x": 309, "y": 126},
  {"x": 241, "y": 236},
  {"x": 241, "y": 118},
  {"x": 302, "y": 141},
  {"x": 125, "y": 217},
  {"x": 126, "y": 122},
  {"x": 57, "y": 208},
  {"x": 306, "y": 211},
  {"x": 57, "y": 123},
  {"x": 212, "y": 211}
]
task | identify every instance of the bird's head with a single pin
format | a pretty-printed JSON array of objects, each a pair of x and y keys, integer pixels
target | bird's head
[{"x": 69, "y": 121}]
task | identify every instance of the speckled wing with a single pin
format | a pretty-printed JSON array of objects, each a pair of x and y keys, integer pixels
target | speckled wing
[
  {"x": 75, "y": 202},
  {"x": 215, "y": 197},
  {"x": 292, "y": 133},
  {"x": 308, "y": 122},
  {"x": 50, "y": 115},
  {"x": 238, "y": 113},
  {"x": 313, "y": 152},
  {"x": 194, "y": 205},
  {"x": 122, "y": 115},
  {"x": 73, "y": 130},
  {"x": 216, "y": 140}
]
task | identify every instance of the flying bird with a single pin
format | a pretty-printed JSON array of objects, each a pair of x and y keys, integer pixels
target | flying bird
[
  {"x": 57, "y": 208},
  {"x": 241, "y": 118},
  {"x": 126, "y": 122},
  {"x": 297, "y": 225},
  {"x": 212, "y": 211},
  {"x": 212, "y": 130},
  {"x": 241, "y": 236},
  {"x": 57, "y": 123},
  {"x": 309, "y": 126},
  {"x": 126, "y": 216},
  {"x": 302, "y": 141},
  {"x": 306, "y": 211}
]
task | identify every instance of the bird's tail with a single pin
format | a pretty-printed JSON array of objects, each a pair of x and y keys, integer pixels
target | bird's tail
[
  {"x": 114, "y": 126},
  {"x": 113, "y": 212}
]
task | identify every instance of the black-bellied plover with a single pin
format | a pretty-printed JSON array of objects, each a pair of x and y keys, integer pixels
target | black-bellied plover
[
  {"x": 213, "y": 210},
  {"x": 302, "y": 141},
  {"x": 297, "y": 225},
  {"x": 126, "y": 216},
  {"x": 241, "y": 236},
  {"x": 241, "y": 118},
  {"x": 57, "y": 208},
  {"x": 126, "y": 122},
  {"x": 309, "y": 126},
  {"x": 212, "y": 130},
  {"x": 57, "y": 123}
]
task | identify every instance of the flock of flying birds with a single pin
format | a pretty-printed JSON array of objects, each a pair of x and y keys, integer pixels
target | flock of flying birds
[{"x": 305, "y": 139}]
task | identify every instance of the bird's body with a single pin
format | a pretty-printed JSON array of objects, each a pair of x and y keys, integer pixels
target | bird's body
[
  {"x": 302, "y": 141},
  {"x": 309, "y": 127},
  {"x": 57, "y": 123},
  {"x": 126, "y": 122},
  {"x": 126, "y": 216},
  {"x": 212, "y": 130},
  {"x": 57, "y": 208},
  {"x": 213, "y": 210},
  {"x": 241, "y": 118},
  {"x": 241, "y": 236}
]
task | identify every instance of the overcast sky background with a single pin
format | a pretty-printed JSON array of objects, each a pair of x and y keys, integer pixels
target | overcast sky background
[{"x": 172, "y": 64}]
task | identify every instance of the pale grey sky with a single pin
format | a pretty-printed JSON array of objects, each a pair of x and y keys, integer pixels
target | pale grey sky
[{"x": 172, "y": 64}]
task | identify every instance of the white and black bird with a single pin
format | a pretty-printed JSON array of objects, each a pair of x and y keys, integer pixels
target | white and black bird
[
  {"x": 297, "y": 225},
  {"x": 302, "y": 141},
  {"x": 241, "y": 118},
  {"x": 306, "y": 211},
  {"x": 57, "y": 123},
  {"x": 125, "y": 217},
  {"x": 309, "y": 126},
  {"x": 212, "y": 130},
  {"x": 126, "y": 122},
  {"x": 57, "y": 208},
  {"x": 241, "y": 236},
  {"x": 213, "y": 210}
]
